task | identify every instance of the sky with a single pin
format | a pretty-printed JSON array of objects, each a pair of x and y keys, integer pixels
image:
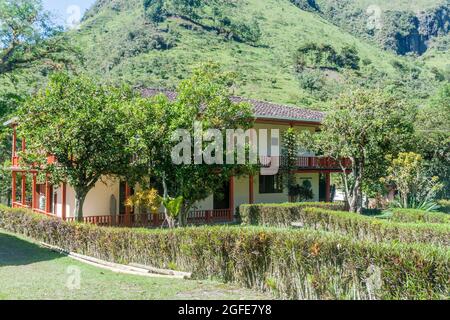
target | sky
[{"x": 68, "y": 12}]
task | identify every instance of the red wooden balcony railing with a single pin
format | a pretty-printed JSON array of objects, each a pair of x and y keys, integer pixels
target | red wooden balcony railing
[
  {"x": 196, "y": 217},
  {"x": 318, "y": 163},
  {"x": 16, "y": 161}
]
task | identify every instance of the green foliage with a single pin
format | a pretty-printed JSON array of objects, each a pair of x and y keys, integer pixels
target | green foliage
[
  {"x": 29, "y": 37},
  {"x": 295, "y": 264},
  {"x": 419, "y": 216},
  {"x": 280, "y": 215},
  {"x": 205, "y": 98},
  {"x": 444, "y": 206},
  {"x": 363, "y": 127},
  {"x": 313, "y": 55},
  {"x": 173, "y": 206},
  {"x": 416, "y": 189},
  {"x": 351, "y": 224},
  {"x": 79, "y": 123},
  {"x": 433, "y": 137},
  {"x": 210, "y": 15}
]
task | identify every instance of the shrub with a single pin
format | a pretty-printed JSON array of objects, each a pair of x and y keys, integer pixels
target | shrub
[
  {"x": 444, "y": 206},
  {"x": 355, "y": 225},
  {"x": 294, "y": 264},
  {"x": 280, "y": 215},
  {"x": 418, "y": 216}
]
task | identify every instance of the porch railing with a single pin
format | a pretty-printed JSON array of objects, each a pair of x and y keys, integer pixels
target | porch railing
[
  {"x": 195, "y": 217},
  {"x": 319, "y": 163}
]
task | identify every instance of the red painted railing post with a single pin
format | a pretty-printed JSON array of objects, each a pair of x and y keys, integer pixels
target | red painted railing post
[
  {"x": 34, "y": 191},
  {"x": 231, "y": 213},
  {"x": 13, "y": 187},
  {"x": 24, "y": 189}
]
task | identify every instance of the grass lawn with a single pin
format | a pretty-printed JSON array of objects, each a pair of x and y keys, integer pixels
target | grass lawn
[{"x": 28, "y": 271}]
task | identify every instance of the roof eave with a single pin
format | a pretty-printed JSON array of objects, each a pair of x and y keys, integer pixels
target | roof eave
[{"x": 288, "y": 119}]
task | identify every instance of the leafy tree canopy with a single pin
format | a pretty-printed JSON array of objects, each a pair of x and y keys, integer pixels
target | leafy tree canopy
[
  {"x": 364, "y": 126},
  {"x": 78, "y": 122}
]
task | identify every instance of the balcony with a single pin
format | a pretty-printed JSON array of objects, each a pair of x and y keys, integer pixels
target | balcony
[
  {"x": 16, "y": 161},
  {"x": 306, "y": 163}
]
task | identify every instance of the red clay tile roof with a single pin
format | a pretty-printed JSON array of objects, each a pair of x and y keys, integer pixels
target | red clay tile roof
[{"x": 262, "y": 109}]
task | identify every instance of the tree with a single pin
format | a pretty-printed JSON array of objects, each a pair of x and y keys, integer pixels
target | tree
[
  {"x": 204, "y": 98},
  {"x": 78, "y": 122},
  {"x": 29, "y": 42},
  {"x": 433, "y": 137},
  {"x": 364, "y": 126},
  {"x": 408, "y": 174},
  {"x": 28, "y": 36}
]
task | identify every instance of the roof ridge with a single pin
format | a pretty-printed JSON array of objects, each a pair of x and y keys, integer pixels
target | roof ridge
[{"x": 262, "y": 109}]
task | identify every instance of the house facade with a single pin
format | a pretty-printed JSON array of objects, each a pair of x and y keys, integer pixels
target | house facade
[{"x": 105, "y": 203}]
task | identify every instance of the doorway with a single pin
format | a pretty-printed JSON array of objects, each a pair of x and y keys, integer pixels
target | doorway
[{"x": 222, "y": 197}]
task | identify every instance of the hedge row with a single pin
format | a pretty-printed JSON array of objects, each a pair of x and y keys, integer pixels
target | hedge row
[
  {"x": 293, "y": 264},
  {"x": 355, "y": 225},
  {"x": 281, "y": 215},
  {"x": 418, "y": 216},
  {"x": 444, "y": 206}
]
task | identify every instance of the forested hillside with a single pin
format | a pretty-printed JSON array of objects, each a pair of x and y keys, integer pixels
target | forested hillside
[{"x": 284, "y": 51}]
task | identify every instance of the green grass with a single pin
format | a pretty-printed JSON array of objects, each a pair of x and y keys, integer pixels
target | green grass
[{"x": 28, "y": 271}]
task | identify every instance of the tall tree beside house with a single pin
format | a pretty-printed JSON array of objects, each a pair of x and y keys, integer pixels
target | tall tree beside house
[
  {"x": 78, "y": 122},
  {"x": 364, "y": 126},
  {"x": 433, "y": 136},
  {"x": 31, "y": 45},
  {"x": 203, "y": 98},
  {"x": 29, "y": 37}
]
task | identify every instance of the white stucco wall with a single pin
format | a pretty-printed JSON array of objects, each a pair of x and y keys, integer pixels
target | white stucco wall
[{"x": 97, "y": 202}]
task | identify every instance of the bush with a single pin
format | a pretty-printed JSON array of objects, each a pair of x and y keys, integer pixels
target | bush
[
  {"x": 280, "y": 215},
  {"x": 355, "y": 225},
  {"x": 418, "y": 216},
  {"x": 444, "y": 206},
  {"x": 294, "y": 264}
]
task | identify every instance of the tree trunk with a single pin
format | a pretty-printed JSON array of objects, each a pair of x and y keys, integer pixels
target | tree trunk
[
  {"x": 355, "y": 194},
  {"x": 80, "y": 197},
  {"x": 169, "y": 219}
]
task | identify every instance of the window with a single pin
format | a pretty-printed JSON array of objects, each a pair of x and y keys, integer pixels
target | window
[{"x": 271, "y": 184}]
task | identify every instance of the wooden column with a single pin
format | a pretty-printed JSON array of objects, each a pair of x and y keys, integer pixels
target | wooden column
[
  {"x": 127, "y": 209},
  {"x": 34, "y": 192},
  {"x": 14, "y": 142},
  {"x": 48, "y": 198},
  {"x": 230, "y": 218},
  {"x": 64, "y": 201},
  {"x": 328, "y": 187},
  {"x": 251, "y": 191},
  {"x": 24, "y": 189},
  {"x": 13, "y": 187}
]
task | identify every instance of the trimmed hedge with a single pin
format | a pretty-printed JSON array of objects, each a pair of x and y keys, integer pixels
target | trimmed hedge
[
  {"x": 418, "y": 216},
  {"x": 444, "y": 206},
  {"x": 355, "y": 225},
  {"x": 294, "y": 264},
  {"x": 281, "y": 215}
]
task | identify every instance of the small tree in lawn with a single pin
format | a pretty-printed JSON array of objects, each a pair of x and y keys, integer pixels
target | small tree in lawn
[
  {"x": 203, "y": 98},
  {"x": 77, "y": 121},
  {"x": 416, "y": 189},
  {"x": 364, "y": 126}
]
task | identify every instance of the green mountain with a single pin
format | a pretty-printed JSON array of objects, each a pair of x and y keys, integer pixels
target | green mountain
[{"x": 288, "y": 51}]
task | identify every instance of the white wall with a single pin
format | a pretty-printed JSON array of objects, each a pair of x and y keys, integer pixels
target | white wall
[{"x": 97, "y": 202}]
